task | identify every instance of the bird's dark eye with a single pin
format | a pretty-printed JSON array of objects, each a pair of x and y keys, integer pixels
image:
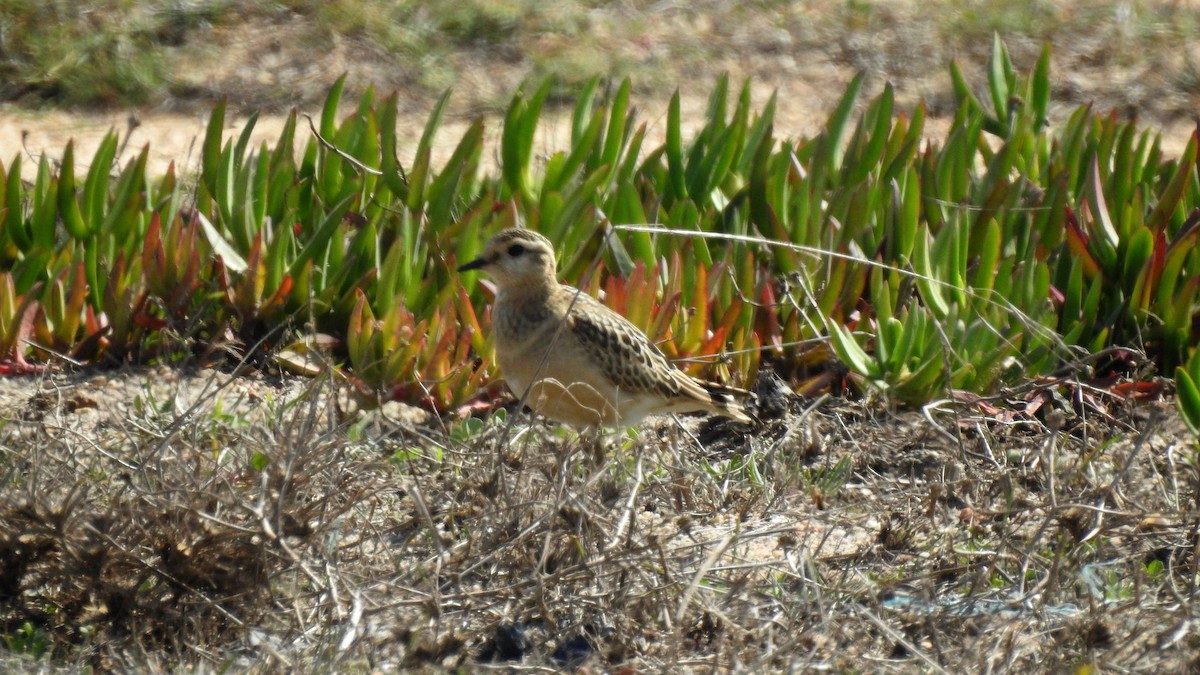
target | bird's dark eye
[{"x": 516, "y": 250}]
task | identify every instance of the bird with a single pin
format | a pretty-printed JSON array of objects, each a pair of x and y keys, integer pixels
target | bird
[{"x": 574, "y": 360}]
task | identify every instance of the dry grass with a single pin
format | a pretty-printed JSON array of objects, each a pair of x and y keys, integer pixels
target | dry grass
[{"x": 165, "y": 519}]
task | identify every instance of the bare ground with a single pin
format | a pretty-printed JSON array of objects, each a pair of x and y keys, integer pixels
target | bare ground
[{"x": 165, "y": 517}]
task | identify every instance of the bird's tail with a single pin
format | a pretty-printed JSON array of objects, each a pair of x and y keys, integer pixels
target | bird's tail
[{"x": 729, "y": 401}]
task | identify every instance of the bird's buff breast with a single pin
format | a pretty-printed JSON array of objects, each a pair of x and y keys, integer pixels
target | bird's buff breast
[
  {"x": 562, "y": 388},
  {"x": 545, "y": 366}
]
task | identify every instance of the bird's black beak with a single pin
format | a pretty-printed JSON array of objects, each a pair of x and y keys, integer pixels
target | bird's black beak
[{"x": 473, "y": 265}]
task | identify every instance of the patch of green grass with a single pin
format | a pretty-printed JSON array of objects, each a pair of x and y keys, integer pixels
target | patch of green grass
[
  {"x": 27, "y": 640},
  {"x": 102, "y": 52}
]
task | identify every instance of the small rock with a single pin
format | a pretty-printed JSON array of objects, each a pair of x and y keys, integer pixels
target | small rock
[
  {"x": 573, "y": 651},
  {"x": 508, "y": 643}
]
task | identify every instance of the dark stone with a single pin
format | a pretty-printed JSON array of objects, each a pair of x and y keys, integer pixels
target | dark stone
[
  {"x": 508, "y": 643},
  {"x": 574, "y": 650}
]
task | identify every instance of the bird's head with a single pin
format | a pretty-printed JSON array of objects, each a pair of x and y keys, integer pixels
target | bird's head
[{"x": 516, "y": 257}]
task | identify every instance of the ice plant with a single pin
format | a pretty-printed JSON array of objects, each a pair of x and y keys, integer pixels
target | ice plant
[{"x": 917, "y": 265}]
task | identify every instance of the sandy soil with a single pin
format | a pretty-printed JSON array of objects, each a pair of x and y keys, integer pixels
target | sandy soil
[
  {"x": 804, "y": 103},
  {"x": 175, "y": 137}
]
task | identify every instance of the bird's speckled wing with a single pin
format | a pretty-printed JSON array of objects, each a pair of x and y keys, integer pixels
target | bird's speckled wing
[{"x": 625, "y": 356}]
